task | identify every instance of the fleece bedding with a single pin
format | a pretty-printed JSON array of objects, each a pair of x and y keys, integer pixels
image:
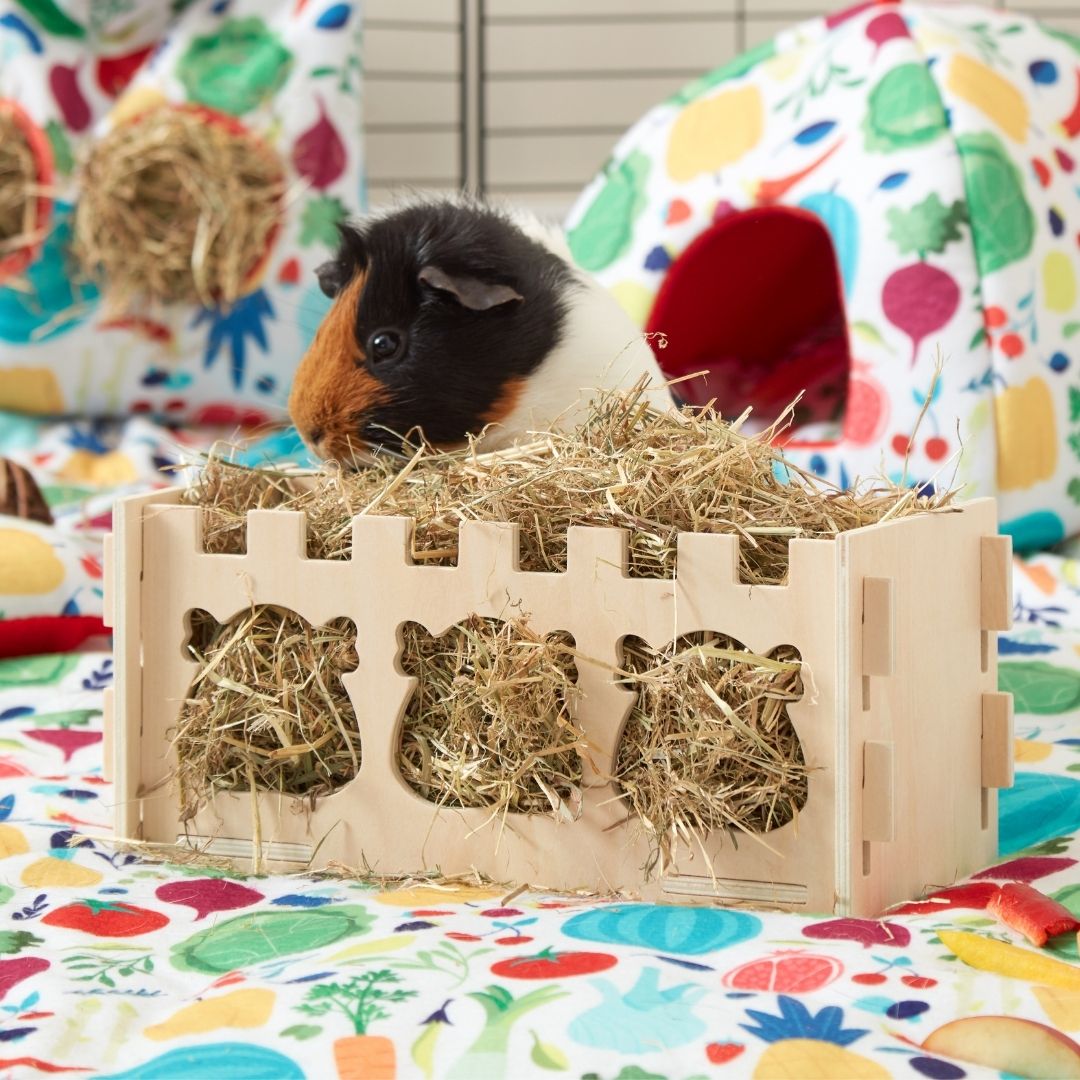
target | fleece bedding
[{"x": 118, "y": 967}]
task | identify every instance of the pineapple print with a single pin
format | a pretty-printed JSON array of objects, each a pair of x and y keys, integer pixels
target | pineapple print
[{"x": 809, "y": 1046}]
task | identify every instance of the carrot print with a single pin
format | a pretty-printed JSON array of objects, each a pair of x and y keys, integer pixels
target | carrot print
[
  {"x": 365, "y": 1057},
  {"x": 360, "y": 1056}
]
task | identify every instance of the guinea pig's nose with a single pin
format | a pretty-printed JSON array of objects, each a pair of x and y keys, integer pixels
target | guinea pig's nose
[{"x": 315, "y": 435}]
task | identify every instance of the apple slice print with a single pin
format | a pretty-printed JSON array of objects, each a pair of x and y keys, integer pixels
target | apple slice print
[{"x": 1015, "y": 1047}]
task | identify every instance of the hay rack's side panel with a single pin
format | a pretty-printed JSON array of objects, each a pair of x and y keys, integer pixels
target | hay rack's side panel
[
  {"x": 884, "y": 619},
  {"x": 929, "y": 737}
]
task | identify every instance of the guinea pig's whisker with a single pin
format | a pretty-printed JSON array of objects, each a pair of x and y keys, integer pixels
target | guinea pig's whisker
[{"x": 383, "y": 439}]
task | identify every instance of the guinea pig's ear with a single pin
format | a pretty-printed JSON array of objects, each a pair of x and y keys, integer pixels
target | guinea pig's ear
[
  {"x": 351, "y": 252},
  {"x": 332, "y": 276},
  {"x": 470, "y": 292},
  {"x": 338, "y": 272}
]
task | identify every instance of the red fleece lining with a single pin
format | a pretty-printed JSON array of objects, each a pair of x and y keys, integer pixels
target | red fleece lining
[
  {"x": 47, "y": 633},
  {"x": 756, "y": 300}
]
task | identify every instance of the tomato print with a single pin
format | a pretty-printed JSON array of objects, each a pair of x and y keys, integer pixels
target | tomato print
[
  {"x": 553, "y": 965},
  {"x": 106, "y": 918}
]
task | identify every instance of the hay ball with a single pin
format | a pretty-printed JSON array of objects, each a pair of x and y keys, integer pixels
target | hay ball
[
  {"x": 26, "y": 171},
  {"x": 179, "y": 205}
]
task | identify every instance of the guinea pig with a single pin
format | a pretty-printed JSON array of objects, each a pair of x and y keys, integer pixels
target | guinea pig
[{"x": 455, "y": 319}]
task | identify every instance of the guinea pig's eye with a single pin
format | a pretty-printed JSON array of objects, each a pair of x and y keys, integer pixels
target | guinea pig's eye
[{"x": 386, "y": 345}]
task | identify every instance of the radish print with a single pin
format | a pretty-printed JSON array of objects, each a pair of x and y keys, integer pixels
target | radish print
[
  {"x": 319, "y": 154},
  {"x": 919, "y": 300}
]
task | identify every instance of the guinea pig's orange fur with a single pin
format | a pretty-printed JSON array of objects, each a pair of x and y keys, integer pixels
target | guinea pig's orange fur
[
  {"x": 331, "y": 390},
  {"x": 505, "y": 403}
]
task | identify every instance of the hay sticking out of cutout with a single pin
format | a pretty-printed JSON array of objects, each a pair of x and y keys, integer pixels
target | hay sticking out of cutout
[
  {"x": 267, "y": 707},
  {"x": 227, "y": 493},
  {"x": 178, "y": 208},
  {"x": 708, "y": 744},
  {"x": 18, "y": 186},
  {"x": 489, "y": 724}
]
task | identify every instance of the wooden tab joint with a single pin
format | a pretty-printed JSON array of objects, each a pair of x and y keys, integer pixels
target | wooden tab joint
[
  {"x": 878, "y": 627},
  {"x": 998, "y": 752},
  {"x": 995, "y": 582},
  {"x": 878, "y": 792}
]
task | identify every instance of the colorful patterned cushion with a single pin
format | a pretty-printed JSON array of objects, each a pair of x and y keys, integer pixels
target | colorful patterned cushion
[
  {"x": 937, "y": 146},
  {"x": 288, "y": 72}
]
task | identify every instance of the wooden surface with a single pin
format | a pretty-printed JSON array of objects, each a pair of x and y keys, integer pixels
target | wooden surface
[
  {"x": 925, "y": 720},
  {"x": 929, "y": 709},
  {"x": 995, "y": 582}
]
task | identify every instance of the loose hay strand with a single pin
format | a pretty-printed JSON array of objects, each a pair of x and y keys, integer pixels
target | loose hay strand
[{"x": 177, "y": 208}]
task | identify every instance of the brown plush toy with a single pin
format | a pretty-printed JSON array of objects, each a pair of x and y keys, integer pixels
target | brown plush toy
[{"x": 19, "y": 494}]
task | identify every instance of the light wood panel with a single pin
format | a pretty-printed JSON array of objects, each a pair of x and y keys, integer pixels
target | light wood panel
[
  {"x": 895, "y": 792},
  {"x": 412, "y": 96},
  {"x": 630, "y": 47}
]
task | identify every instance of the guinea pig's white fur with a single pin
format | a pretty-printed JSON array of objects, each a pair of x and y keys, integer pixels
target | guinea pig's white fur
[{"x": 600, "y": 349}]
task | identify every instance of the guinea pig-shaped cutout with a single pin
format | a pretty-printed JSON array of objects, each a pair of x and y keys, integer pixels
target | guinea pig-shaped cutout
[
  {"x": 266, "y": 707},
  {"x": 708, "y": 744},
  {"x": 453, "y": 320},
  {"x": 490, "y": 723}
]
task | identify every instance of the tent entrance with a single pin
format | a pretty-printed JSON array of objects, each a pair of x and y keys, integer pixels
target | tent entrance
[{"x": 757, "y": 301}]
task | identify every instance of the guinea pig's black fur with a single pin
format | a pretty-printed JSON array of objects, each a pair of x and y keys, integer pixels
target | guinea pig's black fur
[{"x": 474, "y": 303}]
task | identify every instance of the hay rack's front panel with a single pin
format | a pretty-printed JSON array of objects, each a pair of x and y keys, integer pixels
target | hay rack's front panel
[{"x": 850, "y": 607}]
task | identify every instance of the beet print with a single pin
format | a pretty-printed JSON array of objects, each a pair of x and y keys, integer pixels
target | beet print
[
  {"x": 14, "y": 971},
  {"x": 207, "y": 895},
  {"x": 920, "y": 300},
  {"x": 319, "y": 154},
  {"x": 64, "y": 83}
]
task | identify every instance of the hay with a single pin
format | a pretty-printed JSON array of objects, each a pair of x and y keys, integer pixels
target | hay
[
  {"x": 177, "y": 208},
  {"x": 489, "y": 723},
  {"x": 708, "y": 744},
  {"x": 267, "y": 708},
  {"x": 18, "y": 186},
  {"x": 627, "y": 466},
  {"x": 226, "y": 493}
]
